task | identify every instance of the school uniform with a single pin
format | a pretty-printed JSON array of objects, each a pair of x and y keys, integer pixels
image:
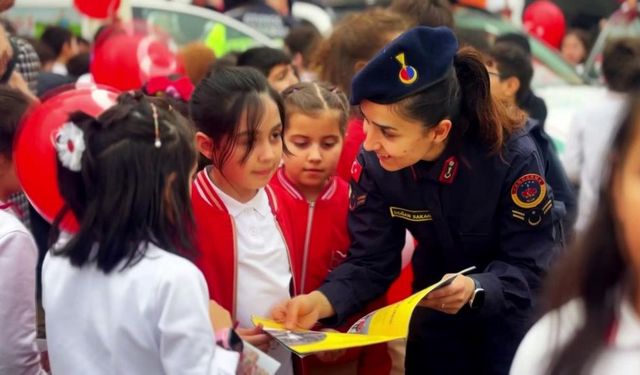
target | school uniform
[
  {"x": 320, "y": 234},
  {"x": 469, "y": 207},
  {"x": 18, "y": 260},
  {"x": 620, "y": 353},
  {"x": 244, "y": 254},
  {"x": 149, "y": 318}
]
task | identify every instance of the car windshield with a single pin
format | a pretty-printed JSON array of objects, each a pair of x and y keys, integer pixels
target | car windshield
[{"x": 550, "y": 68}]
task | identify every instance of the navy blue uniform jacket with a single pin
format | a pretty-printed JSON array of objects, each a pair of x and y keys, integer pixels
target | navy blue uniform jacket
[{"x": 469, "y": 207}]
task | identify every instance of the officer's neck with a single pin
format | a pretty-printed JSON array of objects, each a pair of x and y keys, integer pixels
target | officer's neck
[{"x": 435, "y": 151}]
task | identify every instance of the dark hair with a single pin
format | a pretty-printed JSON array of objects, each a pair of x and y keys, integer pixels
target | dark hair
[
  {"x": 303, "y": 39},
  {"x": 79, "y": 64},
  {"x": 44, "y": 52},
  {"x": 13, "y": 105},
  {"x": 357, "y": 37},
  {"x": 464, "y": 97},
  {"x": 584, "y": 37},
  {"x": 311, "y": 98},
  {"x": 595, "y": 266},
  {"x": 129, "y": 192},
  {"x": 519, "y": 39},
  {"x": 221, "y": 99},
  {"x": 56, "y": 37},
  {"x": 432, "y": 13},
  {"x": 621, "y": 64},
  {"x": 513, "y": 61},
  {"x": 263, "y": 58}
]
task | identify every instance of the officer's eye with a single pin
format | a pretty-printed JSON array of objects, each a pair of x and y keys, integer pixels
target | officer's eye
[{"x": 386, "y": 133}]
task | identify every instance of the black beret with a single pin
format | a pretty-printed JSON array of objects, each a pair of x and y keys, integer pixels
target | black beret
[{"x": 414, "y": 61}]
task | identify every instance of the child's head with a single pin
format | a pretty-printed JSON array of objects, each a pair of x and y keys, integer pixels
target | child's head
[
  {"x": 274, "y": 63},
  {"x": 13, "y": 105},
  {"x": 575, "y": 46},
  {"x": 316, "y": 119},
  {"x": 353, "y": 42},
  {"x": 239, "y": 119},
  {"x": 126, "y": 176},
  {"x": 605, "y": 260}
]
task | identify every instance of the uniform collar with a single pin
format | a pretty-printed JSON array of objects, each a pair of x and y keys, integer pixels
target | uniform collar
[
  {"x": 443, "y": 170},
  {"x": 327, "y": 192},
  {"x": 259, "y": 203}
]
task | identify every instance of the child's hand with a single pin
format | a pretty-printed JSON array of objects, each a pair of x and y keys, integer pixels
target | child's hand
[
  {"x": 220, "y": 317},
  {"x": 255, "y": 336}
]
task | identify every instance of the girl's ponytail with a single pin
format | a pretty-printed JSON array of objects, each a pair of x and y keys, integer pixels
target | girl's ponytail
[{"x": 487, "y": 117}]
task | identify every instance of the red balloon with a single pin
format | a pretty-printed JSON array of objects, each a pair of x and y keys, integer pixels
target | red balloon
[
  {"x": 35, "y": 155},
  {"x": 127, "y": 57},
  {"x": 97, "y": 8},
  {"x": 545, "y": 20}
]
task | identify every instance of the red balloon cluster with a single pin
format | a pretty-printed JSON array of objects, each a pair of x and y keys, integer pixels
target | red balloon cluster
[
  {"x": 97, "y": 8},
  {"x": 127, "y": 56},
  {"x": 545, "y": 20},
  {"x": 34, "y": 152}
]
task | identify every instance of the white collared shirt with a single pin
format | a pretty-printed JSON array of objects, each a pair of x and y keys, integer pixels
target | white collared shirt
[
  {"x": 620, "y": 356},
  {"x": 150, "y": 318},
  {"x": 18, "y": 259},
  {"x": 264, "y": 273}
]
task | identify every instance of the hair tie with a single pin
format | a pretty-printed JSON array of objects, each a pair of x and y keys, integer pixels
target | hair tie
[{"x": 154, "y": 110}]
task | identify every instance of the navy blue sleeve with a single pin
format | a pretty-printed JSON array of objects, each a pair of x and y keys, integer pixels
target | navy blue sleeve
[
  {"x": 374, "y": 258},
  {"x": 527, "y": 245}
]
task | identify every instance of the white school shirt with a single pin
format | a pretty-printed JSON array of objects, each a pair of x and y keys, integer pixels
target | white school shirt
[
  {"x": 18, "y": 258},
  {"x": 151, "y": 318},
  {"x": 263, "y": 274},
  {"x": 620, "y": 357},
  {"x": 587, "y": 147}
]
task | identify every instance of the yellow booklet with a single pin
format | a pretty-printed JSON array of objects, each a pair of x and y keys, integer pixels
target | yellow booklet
[{"x": 385, "y": 324}]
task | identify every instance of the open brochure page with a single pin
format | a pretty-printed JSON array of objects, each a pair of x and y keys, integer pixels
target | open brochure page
[{"x": 385, "y": 324}]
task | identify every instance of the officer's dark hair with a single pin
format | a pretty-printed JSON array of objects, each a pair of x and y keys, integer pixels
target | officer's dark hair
[
  {"x": 13, "y": 105},
  {"x": 56, "y": 37},
  {"x": 513, "y": 61},
  {"x": 464, "y": 97},
  {"x": 596, "y": 270},
  {"x": 263, "y": 59},
  {"x": 621, "y": 64},
  {"x": 312, "y": 98},
  {"x": 129, "y": 192},
  {"x": 432, "y": 13},
  {"x": 357, "y": 37},
  {"x": 219, "y": 102}
]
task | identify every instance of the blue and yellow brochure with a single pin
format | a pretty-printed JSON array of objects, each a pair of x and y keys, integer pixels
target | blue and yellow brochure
[{"x": 385, "y": 324}]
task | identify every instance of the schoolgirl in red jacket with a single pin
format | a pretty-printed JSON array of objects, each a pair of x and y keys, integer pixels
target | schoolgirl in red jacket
[
  {"x": 318, "y": 202},
  {"x": 242, "y": 232}
]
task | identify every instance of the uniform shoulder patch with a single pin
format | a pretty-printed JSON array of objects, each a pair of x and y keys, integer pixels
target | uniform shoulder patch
[
  {"x": 356, "y": 170},
  {"x": 528, "y": 191}
]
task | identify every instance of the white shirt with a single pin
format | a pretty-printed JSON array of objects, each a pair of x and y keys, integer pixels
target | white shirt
[
  {"x": 18, "y": 259},
  {"x": 59, "y": 68},
  {"x": 151, "y": 318},
  {"x": 264, "y": 273},
  {"x": 553, "y": 331},
  {"x": 587, "y": 148}
]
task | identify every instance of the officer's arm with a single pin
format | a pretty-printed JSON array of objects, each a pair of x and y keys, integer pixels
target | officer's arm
[
  {"x": 526, "y": 244},
  {"x": 374, "y": 258}
]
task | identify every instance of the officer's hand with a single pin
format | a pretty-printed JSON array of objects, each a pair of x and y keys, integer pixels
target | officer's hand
[
  {"x": 451, "y": 298},
  {"x": 302, "y": 311},
  {"x": 255, "y": 336}
]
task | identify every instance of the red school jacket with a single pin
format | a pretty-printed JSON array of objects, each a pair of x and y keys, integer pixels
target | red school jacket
[
  {"x": 321, "y": 238},
  {"x": 216, "y": 241}
]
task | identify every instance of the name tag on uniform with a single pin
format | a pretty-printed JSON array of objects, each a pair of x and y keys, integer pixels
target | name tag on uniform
[{"x": 411, "y": 215}]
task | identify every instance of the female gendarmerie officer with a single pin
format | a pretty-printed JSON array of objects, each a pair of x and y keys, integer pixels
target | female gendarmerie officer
[{"x": 446, "y": 162}]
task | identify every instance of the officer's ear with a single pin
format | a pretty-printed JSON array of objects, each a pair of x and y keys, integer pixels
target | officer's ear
[
  {"x": 359, "y": 65},
  {"x": 204, "y": 145},
  {"x": 440, "y": 132}
]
